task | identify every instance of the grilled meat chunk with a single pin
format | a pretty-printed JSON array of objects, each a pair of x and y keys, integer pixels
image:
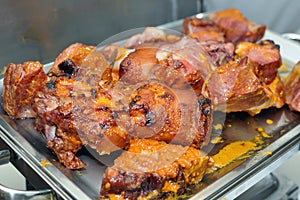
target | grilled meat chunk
[
  {"x": 249, "y": 83},
  {"x": 218, "y": 53},
  {"x": 235, "y": 87},
  {"x": 150, "y": 110},
  {"x": 153, "y": 169},
  {"x": 227, "y": 25},
  {"x": 68, "y": 60},
  {"x": 139, "y": 65},
  {"x": 202, "y": 30},
  {"x": 265, "y": 56},
  {"x": 164, "y": 114},
  {"x": 53, "y": 106},
  {"x": 292, "y": 88},
  {"x": 21, "y": 82},
  {"x": 98, "y": 124},
  {"x": 236, "y": 27}
]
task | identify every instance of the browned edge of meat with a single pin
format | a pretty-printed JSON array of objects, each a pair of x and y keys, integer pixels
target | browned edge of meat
[
  {"x": 235, "y": 87},
  {"x": 170, "y": 115},
  {"x": 236, "y": 26},
  {"x": 54, "y": 106},
  {"x": 74, "y": 53},
  {"x": 292, "y": 88},
  {"x": 153, "y": 169},
  {"x": 264, "y": 56},
  {"x": 21, "y": 82}
]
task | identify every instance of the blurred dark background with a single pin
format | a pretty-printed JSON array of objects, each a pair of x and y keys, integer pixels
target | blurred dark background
[{"x": 41, "y": 29}]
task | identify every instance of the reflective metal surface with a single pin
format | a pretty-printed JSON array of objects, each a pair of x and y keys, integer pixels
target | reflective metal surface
[
  {"x": 4, "y": 156},
  {"x": 11, "y": 194},
  {"x": 7, "y": 193}
]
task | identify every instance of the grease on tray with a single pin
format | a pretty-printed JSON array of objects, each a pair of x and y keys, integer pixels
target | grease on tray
[{"x": 234, "y": 151}]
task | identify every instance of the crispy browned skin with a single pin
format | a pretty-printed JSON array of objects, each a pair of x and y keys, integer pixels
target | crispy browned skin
[
  {"x": 74, "y": 53},
  {"x": 192, "y": 25},
  {"x": 208, "y": 35},
  {"x": 236, "y": 27},
  {"x": 164, "y": 114},
  {"x": 139, "y": 65},
  {"x": 54, "y": 106},
  {"x": 292, "y": 88},
  {"x": 142, "y": 65},
  {"x": 98, "y": 124},
  {"x": 153, "y": 169},
  {"x": 21, "y": 82},
  {"x": 71, "y": 109}
]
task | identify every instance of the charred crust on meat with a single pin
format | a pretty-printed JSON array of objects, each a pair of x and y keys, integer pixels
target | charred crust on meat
[
  {"x": 269, "y": 42},
  {"x": 68, "y": 67},
  {"x": 144, "y": 108},
  {"x": 150, "y": 118},
  {"x": 151, "y": 183},
  {"x": 94, "y": 93},
  {"x": 206, "y": 111},
  {"x": 177, "y": 64},
  {"x": 50, "y": 85},
  {"x": 102, "y": 108},
  {"x": 134, "y": 101},
  {"x": 277, "y": 46},
  {"x": 167, "y": 95},
  {"x": 205, "y": 105},
  {"x": 202, "y": 101},
  {"x": 128, "y": 63}
]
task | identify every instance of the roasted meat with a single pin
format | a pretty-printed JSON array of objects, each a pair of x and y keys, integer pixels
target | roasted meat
[
  {"x": 264, "y": 56},
  {"x": 227, "y": 25},
  {"x": 153, "y": 170},
  {"x": 235, "y": 87},
  {"x": 202, "y": 29},
  {"x": 250, "y": 82},
  {"x": 139, "y": 65},
  {"x": 21, "y": 82},
  {"x": 160, "y": 113},
  {"x": 54, "y": 106},
  {"x": 73, "y": 55},
  {"x": 292, "y": 88},
  {"x": 150, "y": 110},
  {"x": 98, "y": 124},
  {"x": 236, "y": 27}
]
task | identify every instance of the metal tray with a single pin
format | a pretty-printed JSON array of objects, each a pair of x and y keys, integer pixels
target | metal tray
[{"x": 21, "y": 136}]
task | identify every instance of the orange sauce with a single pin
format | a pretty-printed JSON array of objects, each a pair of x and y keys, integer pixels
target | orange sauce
[{"x": 233, "y": 151}]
